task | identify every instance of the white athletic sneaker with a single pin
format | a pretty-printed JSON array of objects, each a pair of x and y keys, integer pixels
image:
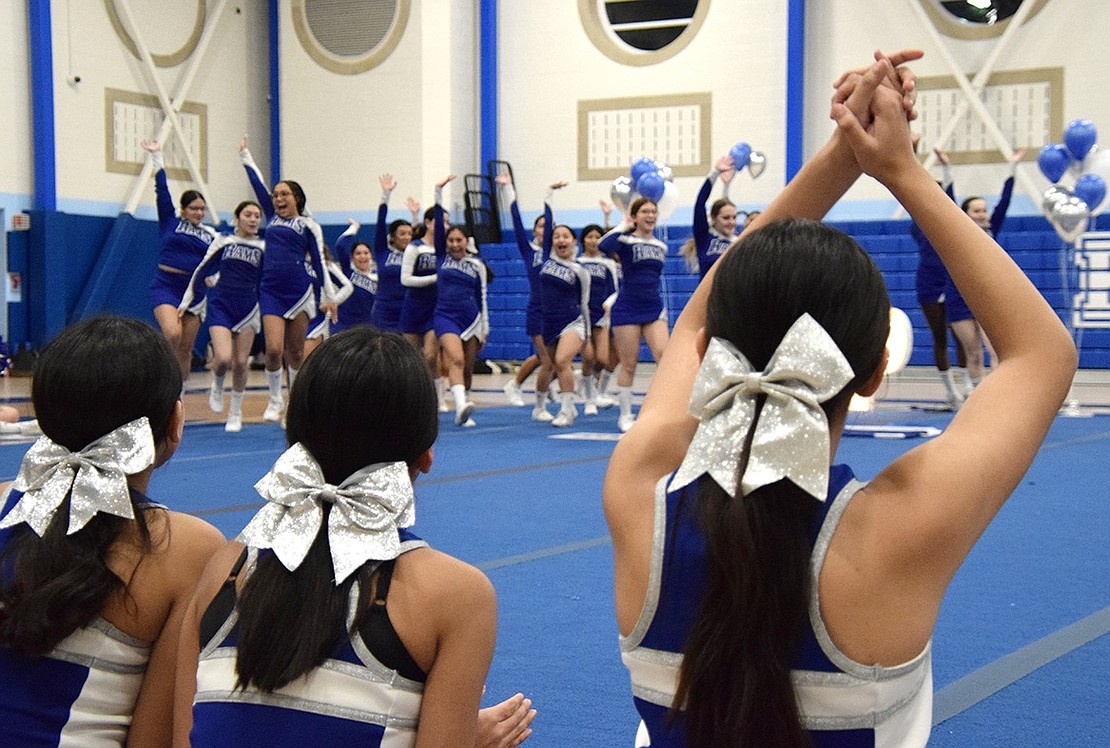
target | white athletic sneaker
[
  {"x": 273, "y": 412},
  {"x": 443, "y": 406},
  {"x": 462, "y": 415},
  {"x": 605, "y": 402},
  {"x": 512, "y": 392},
  {"x": 590, "y": 408},
  {"x": 624, "y": 423},
  {"x": 541, "y": 415},
  {"x": 234, "y": 423},
  {"x": 469, "y": 423},
  {"x": 216, "y": 398},
  {"x": 563, "y": 419}
]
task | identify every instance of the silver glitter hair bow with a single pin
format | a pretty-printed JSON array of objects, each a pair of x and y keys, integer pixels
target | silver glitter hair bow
[
  {"x": 791, "y": 435},
  {"x": 367, "y": 509},
  {"x": 97, "y": 476}
]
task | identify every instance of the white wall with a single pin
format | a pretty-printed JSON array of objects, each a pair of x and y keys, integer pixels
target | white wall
[
  {"x": 16, "y": 176},
  {"x": 232, "y": 83},
  {"x": 413, "y": 116},
  {"x": 548, "y": 64},
  {"x": 841, "y": 35}
]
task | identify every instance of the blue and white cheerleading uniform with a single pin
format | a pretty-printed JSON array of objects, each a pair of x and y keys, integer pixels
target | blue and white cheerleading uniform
[
  {"x": 82, "y": 693},
  {"x": 418, "y": 275},
  {"x": 604, "y": 286},
  {"x": 840, "y": 702},
  {"x": 355, "y": 306},
  {"x": 532, "y": 256},
  {"x": 233, "y": 301},
  {"x": 287, "y": 289},
  {"x": 640, "y": 301},
  {"x": 390, "y": 293},
  {"x": 321, "y": 325},
  {"x": 932, "y": 277},
  {"x": 709, "y": 243},
  {"x": 461, "y": 307},
  {"x": 353, "y": 698},
  {"x": 183, "y": 247},
  {"x": 955, "y": 308},
  {"x": 564, "y": 296}
]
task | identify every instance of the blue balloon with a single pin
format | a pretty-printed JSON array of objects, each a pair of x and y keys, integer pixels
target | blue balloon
[
  {"x": 640, "y": 167},
  {"x": 651, "y": 186},
  {"x": 1053, "y": 160},
  {"x": 1079, "y": 136},
  {"x": 1091, "y": 189},
  {"x": 740, "y": 153}
]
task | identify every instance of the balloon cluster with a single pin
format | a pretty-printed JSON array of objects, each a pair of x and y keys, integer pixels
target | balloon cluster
[
  {"x": 1069, "y": 208},
  {"x": 743, "y": 155},
  {"x": 647, "y": 178}
]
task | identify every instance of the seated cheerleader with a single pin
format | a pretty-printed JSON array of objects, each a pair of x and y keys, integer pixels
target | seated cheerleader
[
  {"x": 764, "y": 597},
  {"x": 328, "y": 622},
  {"x": 95, "y": 576}
]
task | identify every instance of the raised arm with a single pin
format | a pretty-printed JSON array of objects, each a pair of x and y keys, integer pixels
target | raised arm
[
  {"x": 519, "y": 232},
  {"x": 167, "y": 217},
  {"x": 381, "y": 228},
  {"x": 258, "y": 184},
  {"x": 344, "y": 242},
  {"x": 935, "y": 501},
  {"x": 998, "y": 215}
]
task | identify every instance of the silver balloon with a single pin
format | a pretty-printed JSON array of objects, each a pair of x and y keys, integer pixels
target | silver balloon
[
  {"x": 1054, "y": 194},
  {"x": 1069, "y": 218},
  {"x": 666, "y": 172},
  {"x": 621, "y": 192},
  {"x": 757, "y": 162}
]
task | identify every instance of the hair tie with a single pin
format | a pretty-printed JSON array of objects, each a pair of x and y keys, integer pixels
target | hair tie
[
  {"x": 790, "y": 438},
  {"x": 94, "y": 478},
  {"x": 367, "y": 508}
]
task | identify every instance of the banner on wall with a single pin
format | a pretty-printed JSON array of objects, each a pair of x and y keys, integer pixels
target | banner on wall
[{"x": 1091, "y": 305}]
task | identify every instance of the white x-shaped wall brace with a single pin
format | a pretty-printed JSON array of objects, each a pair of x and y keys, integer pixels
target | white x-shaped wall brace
[
  {"x": 972, "y": 89},
  {"x": 170, "y": 107}
]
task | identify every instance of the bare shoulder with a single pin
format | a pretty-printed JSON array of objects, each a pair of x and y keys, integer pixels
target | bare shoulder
[
  {"x": 186, "y": 545},
  {"x": 439, "y": 577}
]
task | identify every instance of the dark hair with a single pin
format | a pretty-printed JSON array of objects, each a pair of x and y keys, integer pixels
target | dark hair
[
  {"x": 363, "y": 397},
  {"x": 964, "y": 205},
  {"x": 189, "y": 196},
  {"x": 419, "y": 231},
  {"x": 536, "y": 223},
  {"x": 94, "y": 377},
  {"x": 735, "y": 681},
  {"x": 456, "y": 227},
  {"x": 244, "y": 204},
  {"x": 429, "y": 213},
  {"x": 587, "y": 229},
  {"x": 396, "y": 225},
  {"x": 298, "y": 194}
]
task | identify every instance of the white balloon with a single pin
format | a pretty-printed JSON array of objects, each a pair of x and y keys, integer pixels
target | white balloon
[
  {"x": 757, "y": 162},
  {"x": 668, "y": 202}
]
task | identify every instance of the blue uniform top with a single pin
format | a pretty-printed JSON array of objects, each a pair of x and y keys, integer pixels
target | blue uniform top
[
  {"x": 418, "y": 274},
  {"x": 840, "y": 702},
  {"x": 240, "y": 267},
  {"x": 357, "y": 309},
  {"x": 390, "y": 293},
  {"x": 564, "y": 292},
  {"x": 710, "y": 243},
  {"x": 461, "y": 293},
  {"x": 604, "y": 284},
  {"x": 353, "y": 698},
  {"x": 83, "y": 692},
  {"x": 532, "y": 255},
  {"x": 640, "y": 300},
  {"x": 289, "y": 243},
  {"x": 183, "y": 244}
]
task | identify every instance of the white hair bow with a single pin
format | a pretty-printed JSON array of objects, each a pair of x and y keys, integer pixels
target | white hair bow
[
  {"x": 790, "y": 437},
  {"x": 97, "y": 476},
  {"x": 367, "y": 508}
]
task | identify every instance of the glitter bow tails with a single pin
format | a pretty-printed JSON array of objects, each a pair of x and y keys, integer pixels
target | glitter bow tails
[
  {"x": 367, "y": 509},
  {"x": 97, "y": 476},
  {"x": 791, "y": 435}
]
